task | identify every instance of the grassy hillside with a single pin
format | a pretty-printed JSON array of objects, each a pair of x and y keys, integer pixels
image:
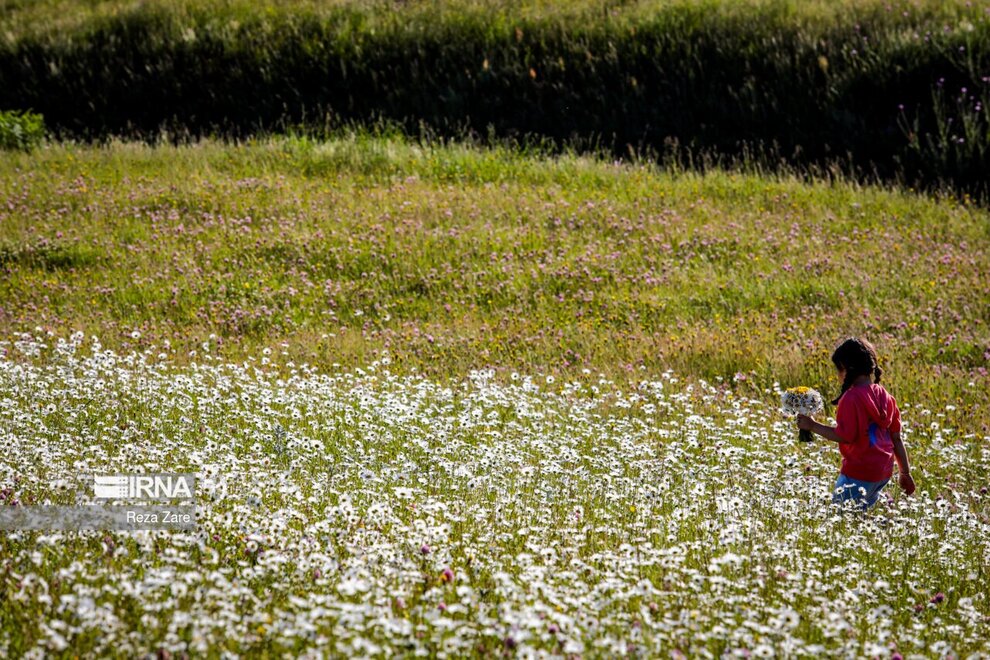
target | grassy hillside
[
  {"x": 453, "y": 258},
  {"x": 23, "y": 18},
  {"x": 897, "y": 90},
  {"x": 445, "y": 400}
]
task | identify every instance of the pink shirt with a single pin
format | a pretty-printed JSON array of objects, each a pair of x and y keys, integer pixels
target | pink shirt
[{"x": 865, "y": 418}]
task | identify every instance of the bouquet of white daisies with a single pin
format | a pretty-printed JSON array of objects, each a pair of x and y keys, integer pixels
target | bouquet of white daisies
[{"x": 802, "y": 400}]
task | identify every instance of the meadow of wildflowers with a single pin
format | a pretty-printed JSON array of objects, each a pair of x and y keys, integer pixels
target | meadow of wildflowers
[
  {"x": 896, "y": 89},
  {"x": 445, "y": 401},
  {"x": 360, "y": 513},
  {"x": 471, "y": 258}
]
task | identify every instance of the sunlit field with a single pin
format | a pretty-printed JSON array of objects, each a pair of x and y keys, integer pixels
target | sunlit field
[
  {"x": 895, "y": 89},
  {"x": 360, "y": 513},
  {"x": 444, "y": 401}
]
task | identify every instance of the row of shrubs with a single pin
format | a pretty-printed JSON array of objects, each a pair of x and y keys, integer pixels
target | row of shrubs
[
  {"x": 889, "y": 91},
  {"x": 21, "y": 130}
]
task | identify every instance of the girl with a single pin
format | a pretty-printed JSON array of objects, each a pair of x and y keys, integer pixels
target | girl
[{"x": 868, "y": 428}]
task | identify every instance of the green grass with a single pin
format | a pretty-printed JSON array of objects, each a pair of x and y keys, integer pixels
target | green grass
[
  {"x": 455, "y": 258},
  {"x": 22, "y": 18},
  {"x": 670, "y": 510},
  {"x": 895, "y": 90},
  {"x": 20, "y": 130},
  {"x": 469, "y": 516}
]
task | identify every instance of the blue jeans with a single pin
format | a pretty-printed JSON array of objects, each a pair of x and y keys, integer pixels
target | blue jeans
[{"x": 863, "y": 492}]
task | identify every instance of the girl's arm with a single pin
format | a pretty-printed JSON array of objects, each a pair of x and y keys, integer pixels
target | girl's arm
[
  {"x": 846, "y": 417},
  {"x": 900, "y": 455},
  {"x": 828, "y": 432}
]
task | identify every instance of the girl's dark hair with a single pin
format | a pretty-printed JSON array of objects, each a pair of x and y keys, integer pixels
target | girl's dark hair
[{"x": 857, "y": 357}]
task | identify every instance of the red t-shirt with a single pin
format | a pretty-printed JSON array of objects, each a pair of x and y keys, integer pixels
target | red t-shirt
[{"x": 865, "y": 418}]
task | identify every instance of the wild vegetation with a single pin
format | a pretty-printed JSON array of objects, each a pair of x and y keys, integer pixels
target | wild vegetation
[
  {"x": 360, "y": 513},
  {"x": 465, "y": 258},
  {"x": 895, "y": 90},
  {"x": 515, "y": 393}
]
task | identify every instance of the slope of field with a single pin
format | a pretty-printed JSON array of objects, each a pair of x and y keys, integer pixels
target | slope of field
[
  {"x": 458, "y": 259},
  {"x": 364, "y": 514},
  {"x": 899, "y": 89},
  {"x": 454, "y": 401}
]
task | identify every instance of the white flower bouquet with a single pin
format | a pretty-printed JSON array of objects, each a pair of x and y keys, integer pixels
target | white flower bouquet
[{"x": 802, "y": 400}]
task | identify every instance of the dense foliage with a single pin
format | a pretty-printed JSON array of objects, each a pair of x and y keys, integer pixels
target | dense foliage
[{"x": 900, "y": 89}]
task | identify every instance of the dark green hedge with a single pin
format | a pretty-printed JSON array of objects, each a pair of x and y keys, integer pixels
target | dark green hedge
[
  {"x": 725, "y": 82},
  {"x": 20, "y": 130}
]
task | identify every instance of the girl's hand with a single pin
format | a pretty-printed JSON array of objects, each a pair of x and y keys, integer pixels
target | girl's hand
[
  {"x": 804, "y": 422},
  {"x": 906, "y": 482}
]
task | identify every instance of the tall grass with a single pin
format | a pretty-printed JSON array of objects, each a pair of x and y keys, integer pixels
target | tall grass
[
  {"x": 873, "y": 89},
  {"x": 456, "y": 258},
  {"x": 21, "y": 130}
]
